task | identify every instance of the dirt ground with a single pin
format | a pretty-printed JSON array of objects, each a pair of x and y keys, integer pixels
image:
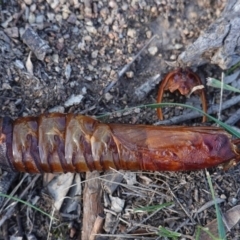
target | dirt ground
[{"x": 81, "y": 68}]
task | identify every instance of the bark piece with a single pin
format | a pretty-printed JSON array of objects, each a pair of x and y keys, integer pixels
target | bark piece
[
  {"x": 92, "y": 203},
  {"x": 112, "y": 180},
  {"x": 220, "y": 43}
]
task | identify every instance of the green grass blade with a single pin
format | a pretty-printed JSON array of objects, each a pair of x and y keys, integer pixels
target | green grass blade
[
  {"x": 163, "y": 232},
  {"x": 233, "y": 68},
  {"x": 28, "y": 204},
  {"x": 218, "y": 84},
  {"x": 221, "y": 228},
  {"x": 153, "y": 208}
]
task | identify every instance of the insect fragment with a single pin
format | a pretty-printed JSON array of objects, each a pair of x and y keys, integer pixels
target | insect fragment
[{"x": 183, "y": 80}]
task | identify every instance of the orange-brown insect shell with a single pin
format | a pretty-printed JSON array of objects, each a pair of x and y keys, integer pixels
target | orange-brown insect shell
[{"x": 183, "y": 80}]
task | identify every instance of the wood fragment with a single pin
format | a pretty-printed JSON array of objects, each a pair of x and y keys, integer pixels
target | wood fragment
[
  {"x": 219, "y": 43},
  {"x": 97, "y": 227},
  {"x": 92, "y": 204}
]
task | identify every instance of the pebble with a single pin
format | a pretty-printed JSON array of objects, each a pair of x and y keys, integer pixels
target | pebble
[
  {"x": 39, "y": 19},
  {"x": 223, "y": 196},
  {"x": 153, "y": 50},
  {"x": 31, "y": 18},
  {"x": 6, "y": 86},
  {"x": 94, "y": 54},
  {"x": 131, "y": 33},
  {"x": 108, "y": 96},
  {"x": 234, "y": 201},
  {"x": 54, "y": 4},
  {"x": 33, "y": 7},
  {"x": 178, "y": 46},
  {"x": 117, "y": 204},
  {"x": 68, "y": 71},
  {"x": 28, "y": 2},
  {"x": 19, "y": 64},
  {"x": 173, "y": 57},
  {"x": 58, "y": 17},
  {"x": 148, "y": 34},
  {"x": 112, "y": 4},
  {"x": 12, "y": 32},
  {"x": 91, "y": 29},
  {"x": 50, "y": 16},
  {"x": 73, "y": 100},
  {"x": 104, "y": 13},
  {"x": 55, "y": 58},
  {"x": 124, "y": 6},
  {"x": 72, "y": 18},
  {"x": 65, "y": 15},
  {"x": 130, "y": 74}
]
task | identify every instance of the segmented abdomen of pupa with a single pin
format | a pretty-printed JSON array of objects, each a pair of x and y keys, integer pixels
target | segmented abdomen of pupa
[{"x": 58, "y": 143}]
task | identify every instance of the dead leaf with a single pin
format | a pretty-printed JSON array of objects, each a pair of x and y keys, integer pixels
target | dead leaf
[
  {"x": 29, "y": 64},
  {"x": 230, "y": 219}
]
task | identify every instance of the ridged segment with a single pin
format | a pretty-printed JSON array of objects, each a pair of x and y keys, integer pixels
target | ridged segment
[{"x": 63, "y": 143}]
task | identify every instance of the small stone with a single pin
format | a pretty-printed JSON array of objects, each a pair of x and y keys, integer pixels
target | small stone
[
  {"x": 185, "y": 31},
  {"x": 50, "y": 16},
  {"x": 31, "y": 18},
  {"x": 87, "y": 38},
  {"x": 117, "y": 204},
  {"x": 19, "y": 64},
  {"x": 84, "y": 90},
  {"x": 124, "y": 7},
  {"x": 149, "y": 34},
  {"x": 54, "y": 4},
  {"x": 130, "y": 74},
  {"x": 73, "y": 100},
  {"x": 68, "y": 71},
  {"x": 91, "y": 29},
  {"x": 33, "y": 7},
  {"x": 65, "y": 15},
  {"x": 104, "y": 12},
  {"x": 112, "y": 4},
  {"x": 153, "y": 50},
  {"x": 39, "y": 19},
  {"x": 58, "y": 109},
  {"x": 108, "y": 96},
  {"x": 178, "y": 46},
  {"x": 154, "y": 10},
  {"x": 58, "y": 17},
  {"x": 223, "y": 196},
  {"x": 55, "y": 58},
  {"x": 28, "y": 2},
  {"x": 12, "y": 32},
  {"x": 72, "y": 18},
  {"x": 131, "y": 33},
  {"x": 173, "y": 57},
  {"x": 6, "y": 86},
  {"x": 94, "y": 54},
  {"x": 234, "y": 201}
]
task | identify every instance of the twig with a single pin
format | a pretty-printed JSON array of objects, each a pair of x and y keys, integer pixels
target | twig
[
  {"x": 221, "y": 97},
  {"x": 235, "y": 117}
]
